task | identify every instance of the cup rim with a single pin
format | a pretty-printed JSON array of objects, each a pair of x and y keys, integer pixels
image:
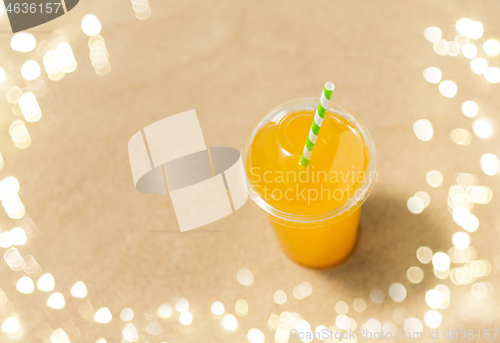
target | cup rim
[{"x": 355, "y": 202}]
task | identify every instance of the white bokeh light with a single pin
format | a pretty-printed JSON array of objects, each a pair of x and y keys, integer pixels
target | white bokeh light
[
  {"x": 30, "y": 70},
  {"x": 492, "y": 74},
  {"x": 470, "y": 109},
  {"x": 415, "y": 205},
  {"x": 440, "y": 47},
  {"x": 483, "y": 128},
  {"x": 56, "y": 301},
  {"x": 218, "y": 308},
  {"x": 245, "y": 277},
  {"x": 79, "y": 290},
  {"x": 461, "y": 240},
  {"x": 432, "y": 319},
  {"x": 185, "y": 318},
  {"x": 433, "y": 34},
  {"x": 452, "y": 48},
  {"x": 432, "y": 75},
  {"x": 11, "y": 325},
  {"x": 491, "y": 47},
  {"x": 229, "y": 323},
  {"x": 256, "y": 336},
  {"x": 23, "y": 42},
  {"x": 91, "y": 26},
  {"x": 25, "y": 285},
  {"x": 464, "y": 26},
  {"x": 46, "y": 282},
  {"x": 489, "y": 164},
  {"x": 476, "y": 30},
  {"x": 434, "y": 299},
  {"x": 448, "y": 88},
  {"x": 103, "y": 315},
  {"x": 441, "y": 261},
  {"x": 17, "y": 236},
  {"x": 423, "y": 129},
  {"x": 434, "y": 178},
  {"x": 469, "y": 51},
  {"x": 479, "y": 65},
  {"x": 397, "y": 292}
]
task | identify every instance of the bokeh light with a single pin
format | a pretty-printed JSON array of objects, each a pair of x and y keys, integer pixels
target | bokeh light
[
  {"x": 91, "y": 26},
  {"x": 415, "y": 205},
  {"x": 218, "y": 308},
  {"x": 79, "y": 290},
  {"x": 452, "y": 48},
  {"x": 245, "y": 277},
  {"x": 229, "y": 323},
  {"x": 479, "y": 65},
  {"x": 185, "y": 317},
  {"x": 377, "y": 296},
  {"x": 432, "y": 75},
  {"x": 464, "y": 26},
  {"x": 30, "y": 107},
  {"x": 434, "y": 178},
  {"x": 476, "y": 30},
  {"x": 182, "y": 304},
  {"x": 424, "y": 255},
  {"x": 17, "y": 236},
  {"x": 280, "y": 297},
  {"x": 492, "y": 74},
  {"x": 433, "y": 34},
  {"x": 256, "y": 336},
  {"x": 103, "y": 315},
  {"x": 23, "y": 42},
  {"x": 341, "y": 307},
  {"x": 423, "y": 129},
  {"x": 470, "y": 108},
  {"x": 461, "y": 240},
  {"x": 56, "y": 301},
  {"x": 424, "y": 196},
  {"x": 461, "y": 136},
  {"x": 462, "y": 39},
  {"x": 305, "y": 289},
  {"x": 432, "y": 319},
  {"x": 165, "y": 311},
  {"x": 489, "y": 164},
  {"x": 397, "y": 291},
  {"x": 11, "y": 325},
  {"x": 439, "y": 47},
  {"x": 491, "y": 47},
  {"x": 483, "y": 128},
  {"x": 434, "y": 299},
  {"x": 469, "y": 51},
  {"x": 441, "y": 261},
  {"x": 30, "y": 70},
  {"x": 415, "y": 274},
  {"x": 25, "y": 285},
  {"x": 46, "y": 283},
  {"x": 359, "y": 305},
  {"x": 448, "y": 88},
  {"x": 241, "y": 308},
  {"x": 127, "y": 314}
]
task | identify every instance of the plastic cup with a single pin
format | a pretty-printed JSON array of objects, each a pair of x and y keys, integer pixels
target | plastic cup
[{"x": 317, "y": 239}]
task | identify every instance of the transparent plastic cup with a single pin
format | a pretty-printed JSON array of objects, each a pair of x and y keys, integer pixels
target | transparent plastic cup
[{"x": 319, "y": 240}]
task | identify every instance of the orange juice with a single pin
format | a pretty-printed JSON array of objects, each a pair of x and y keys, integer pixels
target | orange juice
[{"x": 314, "y": 210}]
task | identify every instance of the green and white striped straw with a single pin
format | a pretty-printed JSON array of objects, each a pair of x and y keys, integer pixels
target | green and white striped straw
[{"x": 316, "y": 125}]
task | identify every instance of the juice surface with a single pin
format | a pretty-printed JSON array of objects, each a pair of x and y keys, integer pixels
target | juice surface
[{"x": 336, "y": 170}]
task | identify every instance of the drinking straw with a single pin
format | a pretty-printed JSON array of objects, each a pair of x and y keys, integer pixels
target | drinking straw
[{"x": 316, "y": 125}]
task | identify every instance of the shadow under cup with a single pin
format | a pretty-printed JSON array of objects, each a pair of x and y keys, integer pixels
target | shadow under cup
[{"x": 320, "y": 240}]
